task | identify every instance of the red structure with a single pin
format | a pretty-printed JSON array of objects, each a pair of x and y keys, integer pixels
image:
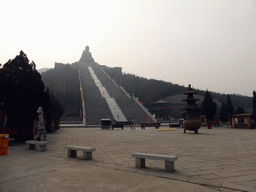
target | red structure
[{"x": 26, "y": 131}]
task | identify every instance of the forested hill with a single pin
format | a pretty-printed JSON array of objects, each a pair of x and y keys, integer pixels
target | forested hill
[
  {"x": 151, "y": 90},
  {"x": 64, "y": 83}
]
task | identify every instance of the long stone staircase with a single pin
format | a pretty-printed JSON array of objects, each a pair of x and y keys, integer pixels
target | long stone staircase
[
  {"x": 104, "y": 99},
  {"x": 95, "y": 105}
]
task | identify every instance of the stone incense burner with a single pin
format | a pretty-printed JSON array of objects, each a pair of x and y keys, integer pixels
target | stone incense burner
[{"x": 191, "y": 117}]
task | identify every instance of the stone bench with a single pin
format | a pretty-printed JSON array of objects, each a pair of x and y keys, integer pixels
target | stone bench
[
  {"x": 156, "y": 125},
  {"x": 116, "y": 125},
  {"x": 140, "y": 160},
  {"x": 174, "y": 125},
  {"x": 38, "y": 145},
  {"x": 87, "y": 151}
]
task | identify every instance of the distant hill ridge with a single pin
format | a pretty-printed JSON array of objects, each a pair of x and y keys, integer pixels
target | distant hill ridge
[
  {"x": 180, "y": 97},
  {"x": 42, "y": 70},
  {"x": 151, "y": 90},
  {"x": 65, "y": 86},
  {"x": 63, "y": 81}
]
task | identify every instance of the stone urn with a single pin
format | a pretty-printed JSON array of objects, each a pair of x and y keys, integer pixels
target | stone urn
[{"x": 191, "y": 117}]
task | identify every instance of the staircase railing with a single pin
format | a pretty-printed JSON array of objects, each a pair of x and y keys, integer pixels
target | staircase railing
[{"x": 144, "y": 109}]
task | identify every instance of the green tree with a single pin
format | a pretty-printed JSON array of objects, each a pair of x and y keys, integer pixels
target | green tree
[
  {"x": 21, "y": 91},
  {"x": 56, "y": 106},
  {"x": 230, "y": 108},
  {"x": 254, "y": 104},
  {"x": 239, "y": 110},
  {"x": 223, "y": 113},
  {"x": 254, "y": 107},
  {"x": 63, "y": 82},
  {"x": 208, "y": 107}
]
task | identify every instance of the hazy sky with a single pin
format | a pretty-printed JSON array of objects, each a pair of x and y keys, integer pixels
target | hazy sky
[{"x": 210, "y": 44}]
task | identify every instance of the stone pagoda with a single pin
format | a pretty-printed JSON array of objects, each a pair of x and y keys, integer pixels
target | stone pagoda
[{"x": 191, "y": 117}]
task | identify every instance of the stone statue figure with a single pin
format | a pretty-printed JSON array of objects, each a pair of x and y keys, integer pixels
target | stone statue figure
[
  {"x": 86, "y": 56},
  {"x": 40, "y": 135},
  {"x": 87, "y": 48}
]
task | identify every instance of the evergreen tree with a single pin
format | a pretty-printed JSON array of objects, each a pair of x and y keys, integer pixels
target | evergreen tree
[
  {"x": 48, "y": 113},
  {"x": 64, "y": 83},
  {"x": 230, "y": 108},
  {"x": 239, "y": 110},
  {"x": 208, "y": 107},
  {"x": 56, "y": 106},
  {"x": 223, "y": 113},
  {"x": 254, "y": 107},
  {"x": 21, "y": 91},
  {"x": 254, "y": 104}
]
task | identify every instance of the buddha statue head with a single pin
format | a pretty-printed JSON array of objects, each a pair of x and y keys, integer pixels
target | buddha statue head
[{"x": 87, "y": 48}]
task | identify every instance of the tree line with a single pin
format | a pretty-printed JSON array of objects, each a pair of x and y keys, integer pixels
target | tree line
[
  {"x": 151, "y": 90},
  {"x": 63, "y": 82},
  {"x": 22, "y": 92}
]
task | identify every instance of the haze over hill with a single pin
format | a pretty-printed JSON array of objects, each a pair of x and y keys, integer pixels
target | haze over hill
[
  {"x": 208, "y": 44},
  {"x": 63, "y": 81},
  {"x": 42, "y": 70}
]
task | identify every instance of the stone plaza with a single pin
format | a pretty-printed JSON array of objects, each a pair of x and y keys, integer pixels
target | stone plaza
[{"x": 217, "y": 159}]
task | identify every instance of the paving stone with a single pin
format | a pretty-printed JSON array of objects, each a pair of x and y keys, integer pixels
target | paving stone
[
  {"x": 235, "y": 186},
  {"x": 226, "y": 190},
  {"x": 202, "y": 181},
  {"x": 217, "y": 155},
  {"x": 209, "y": 176}
]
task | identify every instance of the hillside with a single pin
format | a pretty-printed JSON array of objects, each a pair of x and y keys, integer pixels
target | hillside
[
  {"x": 151, "y": 90},
  {"x": 64, "y": 83}
]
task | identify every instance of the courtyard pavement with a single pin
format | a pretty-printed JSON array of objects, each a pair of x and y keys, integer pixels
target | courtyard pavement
[{"x": 219, "y": 159}]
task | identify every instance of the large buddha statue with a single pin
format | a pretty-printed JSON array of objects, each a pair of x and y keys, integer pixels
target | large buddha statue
[{"x": 87, "y": 56}]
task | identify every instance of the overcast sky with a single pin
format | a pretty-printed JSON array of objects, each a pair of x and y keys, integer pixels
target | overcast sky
[{"x": 210, "y": 44}]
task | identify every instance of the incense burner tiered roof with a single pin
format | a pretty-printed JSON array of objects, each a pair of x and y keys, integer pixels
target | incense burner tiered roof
[{"x": 191, "y": 117}]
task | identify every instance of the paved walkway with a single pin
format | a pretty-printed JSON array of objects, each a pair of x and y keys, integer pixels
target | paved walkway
[{"x": 220, "y": 159}]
